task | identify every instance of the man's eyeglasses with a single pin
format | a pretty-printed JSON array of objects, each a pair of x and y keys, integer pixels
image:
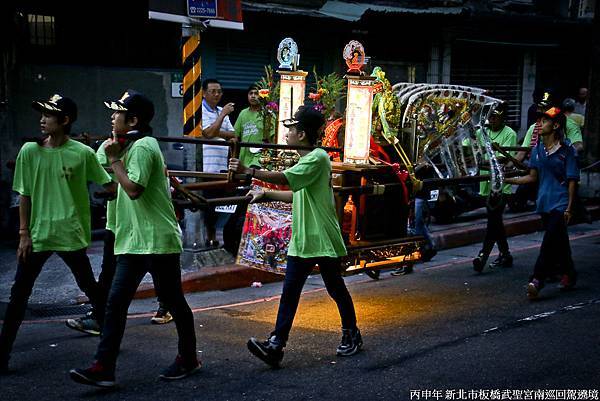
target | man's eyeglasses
[{"x": 215, "y": 91}]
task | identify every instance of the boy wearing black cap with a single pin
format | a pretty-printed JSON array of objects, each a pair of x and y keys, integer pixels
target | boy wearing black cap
[
  {"x": 503, "y": 135},
  {"x": 51, "y": 178},
  {"x": 147, "y": 238},
  {"x": 316, "y": 237},
  {"x": 553, "y": 165},
  {"x": 91, "y": 323}
]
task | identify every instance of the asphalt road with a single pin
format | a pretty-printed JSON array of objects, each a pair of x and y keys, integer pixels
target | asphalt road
[{"x": 439, "y": 333}]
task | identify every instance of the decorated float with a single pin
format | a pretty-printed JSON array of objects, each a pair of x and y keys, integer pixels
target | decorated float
[{"x": 379, "y": 146}]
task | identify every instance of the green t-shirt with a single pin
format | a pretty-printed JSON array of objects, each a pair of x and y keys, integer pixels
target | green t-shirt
[
  {"x": 146, "y": 225},
  {"x": 110, "y": 204},
  {"x": 56, "y": 180},
  {"x": 578, "y": 119},
  {"x": 527, "y": 139},
  {"x": 249, "y": 128},
  {"x": 505, "y": 137},
  {"x": 315, "y": 227},
  {"x": 573, "y": 133}
]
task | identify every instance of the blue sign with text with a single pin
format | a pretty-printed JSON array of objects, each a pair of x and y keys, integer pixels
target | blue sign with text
[{"x": 202, "y": 8}]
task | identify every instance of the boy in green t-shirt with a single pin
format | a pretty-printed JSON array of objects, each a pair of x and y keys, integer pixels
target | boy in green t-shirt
[
  {"x": 316, "y": 237},
  {"x": 147, "y": 238},
  {"x": 91, "y": 322},
  {"x": 54, "y": 172},
  {"x": 503, "y": 135},
  {"x": 249, "y": 127}
]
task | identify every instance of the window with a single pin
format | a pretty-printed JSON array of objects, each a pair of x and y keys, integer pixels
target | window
[
  {"x": 41, "y": 30},
  {"x": 582, "y": 8}
]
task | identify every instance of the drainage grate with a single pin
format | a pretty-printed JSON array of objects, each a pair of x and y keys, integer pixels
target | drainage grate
[{"x": 51, "y": 310}]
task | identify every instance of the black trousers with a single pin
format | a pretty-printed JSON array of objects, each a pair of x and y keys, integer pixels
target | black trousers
[
  {"x": 296, "y": 273},
  {"x": 129, "y": 273},
  {"x": 495, "y": 232},
  {"x": 25, "y": 278},
  {"x": 109, "y": 266},
  {"x": 555, "y": 252}
]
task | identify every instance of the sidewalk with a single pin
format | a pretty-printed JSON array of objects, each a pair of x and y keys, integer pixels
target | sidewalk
[{"x": 469, "y": 229}]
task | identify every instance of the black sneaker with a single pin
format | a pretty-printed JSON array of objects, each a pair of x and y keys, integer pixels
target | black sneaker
[
  {"x": 86, "y": 324},
  {"x": 95, "y": 375},
  {"x": 503, "y": 260},
  {"x": 180, "y": 369},
  {"x": 270, "y": 351},
  {"x": 351, "y": 342},
  {"x": 162, "y": 315},
  {"x": 402, "y": 271},
  {"x": 374, "y": 274},
  {"x": 479, "y": 262},
  {"x": 428, "y": 254}
]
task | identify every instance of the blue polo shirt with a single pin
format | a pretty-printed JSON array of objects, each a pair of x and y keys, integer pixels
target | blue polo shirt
[{"x": 554, "y": 173}]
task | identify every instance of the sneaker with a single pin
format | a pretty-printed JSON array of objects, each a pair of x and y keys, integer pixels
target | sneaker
[
  {"x": 533, "y": 288},
  {"x": 428, "y": 254},
  {"x": 479, "y": 262},
  {"x": 374, "y": 274},
  {"x": 351, "y": 342},
  {"x": 86, "y": 324},
  {"x": 162, "y": 315},
  {"x": 270, "y": 351},
  {"x": 95, "y": 375},
  {"x": 503, "y": 260},
  {"x": 180, "y": 369},
  {"x": 402, "y": 271},
  {"x": 567, "y": 282}
]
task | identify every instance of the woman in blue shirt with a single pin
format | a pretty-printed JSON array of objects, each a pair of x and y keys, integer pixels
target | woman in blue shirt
[{"x": 553, "y": 165}]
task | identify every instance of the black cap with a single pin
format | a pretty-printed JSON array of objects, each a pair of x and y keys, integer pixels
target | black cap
[
  {"x": 546, "y": 100},
  {"x": 307, "y": 118},
  {"x": 501, "y": 109},
  {"x": 135, "y": 103},
  {"x": 57, "y": 104}
]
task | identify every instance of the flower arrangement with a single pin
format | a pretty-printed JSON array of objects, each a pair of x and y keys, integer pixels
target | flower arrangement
[
  {"x": 330, "y": 88},
  {"x": 386, "y": 108},
  {"x": 268, "y": 96}
]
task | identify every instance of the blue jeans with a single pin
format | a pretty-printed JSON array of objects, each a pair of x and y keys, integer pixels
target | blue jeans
[
  {"x": 296, "y": 273},
  {"x": 25, "y": 278},
  {"x": 128, "y": 275},
  {"x": 420, "y": 226}
]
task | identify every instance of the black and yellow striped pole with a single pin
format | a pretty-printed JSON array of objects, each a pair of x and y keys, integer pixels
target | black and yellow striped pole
[{"x": 192, "y": 85}]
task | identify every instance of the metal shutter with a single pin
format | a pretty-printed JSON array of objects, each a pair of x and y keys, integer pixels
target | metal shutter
[
  {"x": 240, "y": 60},
  {"x": 495, "y": 68}
]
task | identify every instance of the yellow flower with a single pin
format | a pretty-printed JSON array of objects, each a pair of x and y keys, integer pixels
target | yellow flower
[{"x": 264, "y": 93}]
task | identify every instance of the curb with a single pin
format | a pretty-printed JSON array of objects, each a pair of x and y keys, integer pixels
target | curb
[{"x": 227, "y": 277}]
